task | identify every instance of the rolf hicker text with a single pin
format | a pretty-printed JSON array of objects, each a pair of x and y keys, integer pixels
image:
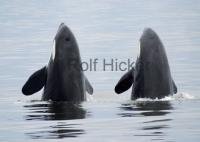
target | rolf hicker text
[{"x": 107, "y": 65}]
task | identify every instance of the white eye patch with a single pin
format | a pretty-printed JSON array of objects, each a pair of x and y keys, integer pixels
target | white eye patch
[
  {"x": 138, "y": 50},
  {"x": 54, "y": 49}
]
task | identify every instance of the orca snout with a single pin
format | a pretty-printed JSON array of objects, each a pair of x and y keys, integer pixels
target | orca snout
[
  {"x": 148, "y": 33},
  {"x": 63, "y": 32}
]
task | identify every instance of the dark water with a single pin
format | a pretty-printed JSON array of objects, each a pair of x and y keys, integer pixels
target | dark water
[{"x": 104, "y": 29}]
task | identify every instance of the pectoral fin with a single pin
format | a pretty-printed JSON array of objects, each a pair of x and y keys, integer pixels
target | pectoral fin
[
  {"x": 125, "y": 82},
  {"x": 88, "y": 86},
  {"x": 35, "y": 82}
]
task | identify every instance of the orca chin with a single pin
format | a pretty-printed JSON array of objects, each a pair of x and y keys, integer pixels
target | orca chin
[
  {"x": 63, "y": 78},
  {"x": 151, "y": 76}
]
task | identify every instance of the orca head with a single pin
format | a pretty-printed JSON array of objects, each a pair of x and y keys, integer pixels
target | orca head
[
  {"x": 151, "y": 46},
  {"x": 64, "y": 70},
  {"x": 154, "y": 66},
  {"x": 65, "y": 47}
]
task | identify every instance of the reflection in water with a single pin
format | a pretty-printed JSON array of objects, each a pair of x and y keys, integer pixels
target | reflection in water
[
  {"x": 146, "y": 108},
  {"x": 156, "y": 114},
  {"x": 55, "y": 111},
  {"x": 59, "y": 131}
]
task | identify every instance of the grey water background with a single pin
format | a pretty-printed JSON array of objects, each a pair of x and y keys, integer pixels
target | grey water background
[{"x": 104, "y": 29}]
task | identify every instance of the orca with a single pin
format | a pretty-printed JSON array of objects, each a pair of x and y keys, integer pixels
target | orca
[
  {"x": 151, "y": 76},
  {"x": 63, "y": 78}
]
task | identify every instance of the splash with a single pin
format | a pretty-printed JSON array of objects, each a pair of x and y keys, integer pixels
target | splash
[
  {"x": 183, "y": 96},
  {"x": 110, "y": 97},
  {"x": 178, "y": 96}
]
